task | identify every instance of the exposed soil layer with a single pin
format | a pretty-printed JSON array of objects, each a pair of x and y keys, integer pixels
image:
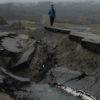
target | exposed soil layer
[
  {"x": 51, "y": 51},
  {"x": 67, "y": 54},
  {"x": 70, "y": 54}
]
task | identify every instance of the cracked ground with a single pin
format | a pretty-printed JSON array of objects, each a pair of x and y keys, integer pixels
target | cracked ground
[
  {"x": 59, "y": 60},
  {"x": 65, "y": 62}
]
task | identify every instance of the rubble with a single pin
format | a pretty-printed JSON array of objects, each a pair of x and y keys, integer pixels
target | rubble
[
  {"x": 16, "y": 78},
  {"x": 11, "y": 45},
  {"x": 64, "y": 78},
  {"x": 86, "y": 39},
  {"x": 27, "y": 55},
  {"x": 54, "y": 64}
]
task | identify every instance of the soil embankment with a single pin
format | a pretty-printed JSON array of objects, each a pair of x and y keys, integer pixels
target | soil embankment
[
  {"x": 71, "y": 54},
  {"x": 48, "y": 60}
]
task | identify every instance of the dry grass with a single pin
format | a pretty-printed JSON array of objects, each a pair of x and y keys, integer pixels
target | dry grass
[
  {"x": 47, "y": 23},
  {"x": 95, "y": 29},
  {"x": 4, "y": 96},
  {"x": 26, "y": 25},
  {"x": 30, "y": 25}
]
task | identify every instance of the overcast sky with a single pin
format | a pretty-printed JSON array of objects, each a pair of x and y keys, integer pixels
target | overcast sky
[{"x": 24, "y": 1}]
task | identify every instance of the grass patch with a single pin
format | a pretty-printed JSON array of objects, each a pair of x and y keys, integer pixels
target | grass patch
[
  {"x": 61, "y": 24},
  {"x": 9, "y": 22},
  {"x": 30, "y": 25},
  {"x": 26, "y": 25},
  {"x": 95, "y": 29}
]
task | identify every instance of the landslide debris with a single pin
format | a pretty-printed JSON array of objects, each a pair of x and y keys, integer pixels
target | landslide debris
[
  {"x": 66, "y": 53},
  {"x": 40, "y": 56}
]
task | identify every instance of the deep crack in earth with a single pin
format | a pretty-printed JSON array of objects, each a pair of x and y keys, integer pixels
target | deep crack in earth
[{"x": 52, "y": 66}]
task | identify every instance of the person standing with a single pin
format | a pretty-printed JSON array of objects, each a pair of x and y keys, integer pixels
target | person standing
[{"x": 52, "y": 14}]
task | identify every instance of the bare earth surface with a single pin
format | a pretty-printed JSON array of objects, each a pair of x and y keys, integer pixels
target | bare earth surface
[{"x": 55, "y": 68}]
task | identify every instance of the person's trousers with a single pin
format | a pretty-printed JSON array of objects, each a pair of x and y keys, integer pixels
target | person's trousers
[{"x": 51, "y": 20}]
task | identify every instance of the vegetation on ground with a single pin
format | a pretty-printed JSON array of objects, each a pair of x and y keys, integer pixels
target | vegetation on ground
[
  {"x": 95, "y": 29},
  {"x": 30, "y": 25},
  {"x": 26, "y": 25},
  {"x": 62, "y": 22},
  {"x": 3, "y": 21},
  {"x": 10, "y": 14}
]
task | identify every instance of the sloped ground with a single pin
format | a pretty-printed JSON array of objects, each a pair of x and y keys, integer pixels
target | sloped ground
[
  {"x": 71, "y": 55},
  {"x": 49, "y": 65},
  {"x": 62, "y": 63},
  {"x": 16, "y": 52}
]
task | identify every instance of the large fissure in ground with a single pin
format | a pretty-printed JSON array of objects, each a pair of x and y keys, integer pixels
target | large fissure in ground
[
  {"x": 55, "y": 50},
  {"x": 48, "y": 62}
]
